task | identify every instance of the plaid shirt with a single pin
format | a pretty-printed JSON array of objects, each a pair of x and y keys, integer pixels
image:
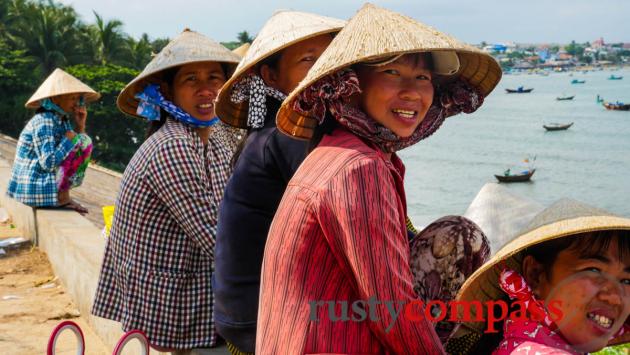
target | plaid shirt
[
  {"x": 158, "y": 260},
  {"x": 40, "y": 150}
]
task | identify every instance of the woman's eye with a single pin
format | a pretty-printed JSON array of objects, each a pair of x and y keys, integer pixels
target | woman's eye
[
  {"x": 391, "y": 71},
  {"x": 592, "y": 269},
  {"x": 308, "y": 59},
  {"x": 191, "y": 78},
  {"x": 625, "y": 282},
  {"x": 424, "y": 77}
]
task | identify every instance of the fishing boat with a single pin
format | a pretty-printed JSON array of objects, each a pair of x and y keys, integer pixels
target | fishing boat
[
  {"x": 519, "y": 90},
  {"x": 613, "y": 77},
  {"x": 618, "y": 106},
  {"x": 577, "y": 81},
  {"x": 557, "y": 126},
  {"x": 565, "y": 98},
  {"x": 524, "y": 176}
]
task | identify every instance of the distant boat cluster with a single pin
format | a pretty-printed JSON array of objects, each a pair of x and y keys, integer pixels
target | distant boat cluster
[{"x": 525, "y": 174}]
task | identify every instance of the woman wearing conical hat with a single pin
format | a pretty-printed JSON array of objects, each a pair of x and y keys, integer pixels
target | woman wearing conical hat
[
  {"x": 53, "y": 150},
  {"x": 280, "y": 56},
  {"x": 336, "y": 267},
  {"x": 561, "y": 286},
  {"x": 156, "y": 273}
]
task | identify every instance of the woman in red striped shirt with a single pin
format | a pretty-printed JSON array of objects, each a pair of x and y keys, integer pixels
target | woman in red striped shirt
[{"x": 336, "y": 274}]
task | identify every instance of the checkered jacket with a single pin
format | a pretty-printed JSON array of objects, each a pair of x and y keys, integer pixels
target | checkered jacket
[
  {"x": 156, "y": 272},
  {"x": 40, "y": 150}
]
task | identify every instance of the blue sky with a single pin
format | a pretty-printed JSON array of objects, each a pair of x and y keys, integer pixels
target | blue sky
[{"x": 473, "y": 21}]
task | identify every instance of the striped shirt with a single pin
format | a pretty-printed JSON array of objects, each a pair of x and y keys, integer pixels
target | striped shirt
[{"x": 339, "y": 235}]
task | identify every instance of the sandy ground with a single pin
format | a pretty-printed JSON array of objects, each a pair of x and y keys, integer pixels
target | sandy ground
[{"x": 32, "y": 303}]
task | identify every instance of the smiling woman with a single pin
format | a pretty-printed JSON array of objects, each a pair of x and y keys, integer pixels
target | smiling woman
[{"x": 571, "y": 267}]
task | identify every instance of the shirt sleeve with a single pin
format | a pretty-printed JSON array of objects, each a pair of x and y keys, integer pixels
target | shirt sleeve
[
  {"x": 361, "y": 218},
  {"x": 176, "y": 177},
  {"x": 49, "y": 155}
]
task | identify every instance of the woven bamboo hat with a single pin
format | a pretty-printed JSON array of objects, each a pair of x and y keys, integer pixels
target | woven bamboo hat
[
  {"x": 241, "y": 50},
  {"x": 565, "y": 218},
  {"x": 188, "y": 47},
  {"x": 376, "y": 33},
  {"x": 61, "y": 83},
  {"x": 282, "y": 30}
]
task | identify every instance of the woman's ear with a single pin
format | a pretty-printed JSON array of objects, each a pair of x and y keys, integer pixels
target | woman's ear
[
  {"x": 534, "y": 274},
  {"x": 269, "y": 75},
  {"x": 165, "y": 89}
]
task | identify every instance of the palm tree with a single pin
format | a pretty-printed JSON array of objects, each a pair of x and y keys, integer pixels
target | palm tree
[
  {"x": 244, "y": 37},
  {"x": 48, "y": 32},
  {"x": 111, "y": 40},
  {"x": 139, "y": 51}
]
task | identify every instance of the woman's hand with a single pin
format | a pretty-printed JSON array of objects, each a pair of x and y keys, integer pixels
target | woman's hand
[
  {"x": 80, "y": 116},
  {"x": 70, "y": 135}
]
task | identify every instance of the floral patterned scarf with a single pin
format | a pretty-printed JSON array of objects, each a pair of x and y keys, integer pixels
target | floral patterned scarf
[{"x": 332, "y": 93}]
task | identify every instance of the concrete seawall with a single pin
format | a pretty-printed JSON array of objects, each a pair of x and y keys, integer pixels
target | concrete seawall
[{"x": 73, "y": 243}]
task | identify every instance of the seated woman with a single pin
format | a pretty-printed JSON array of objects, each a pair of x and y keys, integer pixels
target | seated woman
[
  {"x": 53, "y": 150},
  {"x": 338, "y": 247},
  {"x": 158, "y": 263},
  {"x": 560, "y": 287},
  {"x": 277, "y": 60}
]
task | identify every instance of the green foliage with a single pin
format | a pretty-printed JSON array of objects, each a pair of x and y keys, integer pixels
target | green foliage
[
  {"x": 615, "y": 350},
  {"x": 16, "y": 82}
]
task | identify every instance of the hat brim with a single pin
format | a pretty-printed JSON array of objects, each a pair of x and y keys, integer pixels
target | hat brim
[{"x": 88, "y": 96}]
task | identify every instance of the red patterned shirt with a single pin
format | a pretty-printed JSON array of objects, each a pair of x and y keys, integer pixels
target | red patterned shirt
[{"x": 339, "y": 236}]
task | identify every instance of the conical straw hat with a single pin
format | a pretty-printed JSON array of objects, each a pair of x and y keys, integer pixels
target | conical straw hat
[
  {"x": 376, "y": 33},
  {"x": 564, "y": 219},
  {"x": 61, "y": 83},
  {"x": 501, "y": 214},
  {"x": 188, "y": 47},
  {"x": 241, "y": 50},
  {"x": 282, "y": 30}
]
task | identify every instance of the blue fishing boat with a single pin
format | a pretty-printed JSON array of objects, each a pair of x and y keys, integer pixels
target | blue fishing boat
[
  {"x": 577, "y": 81},
  {"x": 613, "y": 77}
]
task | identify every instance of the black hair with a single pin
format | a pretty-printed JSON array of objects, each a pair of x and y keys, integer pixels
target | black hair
[{"x": 586, "y": 244}]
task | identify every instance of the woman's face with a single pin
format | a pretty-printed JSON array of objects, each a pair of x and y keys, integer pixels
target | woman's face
[
  {"x": 593, "y": 293},
  {"x": 294, "y": 63},
  {"x": 398, "y": 94},
  {"x": 67, "y": 102},
  {"x": 196, "y": 86}
]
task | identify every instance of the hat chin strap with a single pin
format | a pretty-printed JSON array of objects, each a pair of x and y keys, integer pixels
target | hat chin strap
[{"x": 47, "y": 104}]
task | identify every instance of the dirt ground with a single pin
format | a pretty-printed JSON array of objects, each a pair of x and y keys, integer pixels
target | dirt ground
[{"x": 32, "y": 303}]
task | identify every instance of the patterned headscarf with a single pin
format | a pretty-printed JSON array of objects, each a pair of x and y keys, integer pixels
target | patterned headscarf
[
  {"x": 252, "y": 88},
  {"x": 332, "y": 93},
  {"x": 151, "y": 100}
]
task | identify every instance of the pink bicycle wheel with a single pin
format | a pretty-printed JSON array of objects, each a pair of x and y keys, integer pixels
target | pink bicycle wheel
[
  {"x": 131, "y": 335},
  {"x": 52, "y": 341}
]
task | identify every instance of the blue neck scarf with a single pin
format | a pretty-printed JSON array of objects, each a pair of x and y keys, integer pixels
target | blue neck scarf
[{"x": 151, "y": 100}]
